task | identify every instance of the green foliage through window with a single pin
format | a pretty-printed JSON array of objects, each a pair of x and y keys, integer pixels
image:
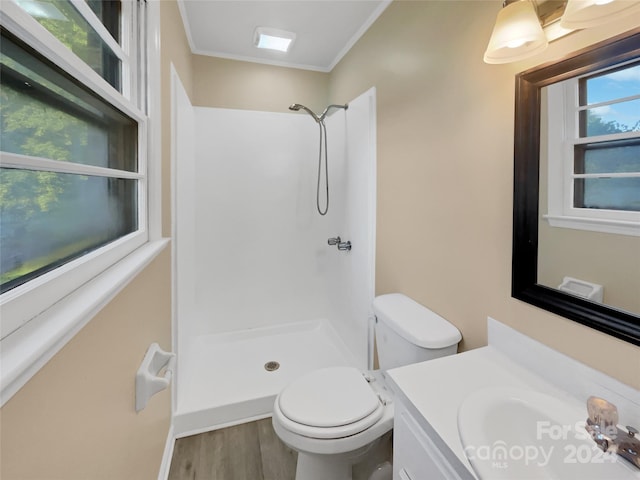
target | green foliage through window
[{"x": 48, "y": 217}]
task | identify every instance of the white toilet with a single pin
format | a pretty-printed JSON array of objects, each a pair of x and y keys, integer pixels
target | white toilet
[{"x": 333, "y": 417}]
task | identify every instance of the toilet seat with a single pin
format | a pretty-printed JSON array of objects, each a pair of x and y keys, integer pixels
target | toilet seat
[{"x": 329, "y": 403}]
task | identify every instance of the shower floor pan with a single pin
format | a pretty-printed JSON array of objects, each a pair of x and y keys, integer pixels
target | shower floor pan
[{"x": 230, "y": 378}]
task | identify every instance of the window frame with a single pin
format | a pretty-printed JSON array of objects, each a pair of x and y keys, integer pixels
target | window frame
[
  {"x": 40, "y": 316},
  {"x": 563, "y": 135}
]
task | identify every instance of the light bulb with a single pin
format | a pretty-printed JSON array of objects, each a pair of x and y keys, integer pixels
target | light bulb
[{"x": 516, "y": 43}]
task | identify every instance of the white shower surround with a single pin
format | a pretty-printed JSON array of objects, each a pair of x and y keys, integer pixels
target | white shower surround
[{"x": 252, "y": 266}]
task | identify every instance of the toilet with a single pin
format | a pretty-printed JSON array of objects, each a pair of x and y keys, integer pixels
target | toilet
[{"x": 335, "y": 417}]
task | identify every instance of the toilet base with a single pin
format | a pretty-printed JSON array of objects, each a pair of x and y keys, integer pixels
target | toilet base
[
  {"x": 376, "y": 463},
  {"x": 356, "y": 465},
  {"x": 316, "y": 467}
]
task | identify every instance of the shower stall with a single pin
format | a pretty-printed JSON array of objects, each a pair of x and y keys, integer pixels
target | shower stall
[{"x": 260, "y": 297}]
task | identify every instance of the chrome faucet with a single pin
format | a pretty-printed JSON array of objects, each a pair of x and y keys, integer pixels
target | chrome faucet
[
  {"x": 342, "y": 246},
  {"x": 602, "y": 425}
]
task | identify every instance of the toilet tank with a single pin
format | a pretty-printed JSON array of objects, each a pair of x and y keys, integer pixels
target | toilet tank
[{"x": 407, "y": 332}]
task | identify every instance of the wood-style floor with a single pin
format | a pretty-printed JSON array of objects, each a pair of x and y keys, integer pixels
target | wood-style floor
[{"x": 250, "y": 451}]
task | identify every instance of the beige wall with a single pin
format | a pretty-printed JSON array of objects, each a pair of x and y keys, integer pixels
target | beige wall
[
  {"x": 218, "y": 82},
  {"x": 445, "y": 173},
  {"x": 610, "y": 260},
  {"x": 75, "y": 419}
]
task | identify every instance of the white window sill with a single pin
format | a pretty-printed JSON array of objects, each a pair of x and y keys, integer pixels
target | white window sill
[
  {"x": 618, "y": 227},
  {"x": 29, "y": 348}
]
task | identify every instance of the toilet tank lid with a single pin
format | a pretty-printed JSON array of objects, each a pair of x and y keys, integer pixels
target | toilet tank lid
[{"x": 414, "y": 322}]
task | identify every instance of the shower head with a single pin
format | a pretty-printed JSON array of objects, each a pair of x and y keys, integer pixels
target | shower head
[
  {"x": 326, "y": 110},
  {"x": 296, "y": 107}
]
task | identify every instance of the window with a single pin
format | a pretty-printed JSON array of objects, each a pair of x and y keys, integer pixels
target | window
[
  {"x": 594, "y": 151},
  {"x": 65, "y": 203},
  {"x": 73, "y": 171},
  {"x": 90, "y": 30}
]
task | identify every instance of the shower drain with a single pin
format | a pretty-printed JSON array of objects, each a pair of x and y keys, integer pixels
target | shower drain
[{"x": 271, "y": 366}]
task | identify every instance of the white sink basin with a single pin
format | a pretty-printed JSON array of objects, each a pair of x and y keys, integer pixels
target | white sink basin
[{"x": 512, "y": 433}]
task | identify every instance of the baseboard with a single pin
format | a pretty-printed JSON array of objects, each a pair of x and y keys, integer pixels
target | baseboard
[{"x": 165, "y": 465}]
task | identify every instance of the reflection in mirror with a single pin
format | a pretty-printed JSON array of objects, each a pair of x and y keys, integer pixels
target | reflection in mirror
[
  {"x": 589, "y": 202},
  {"x": 576, "y": 237}
]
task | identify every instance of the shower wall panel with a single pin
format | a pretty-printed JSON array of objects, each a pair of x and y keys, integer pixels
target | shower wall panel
[
  {"x": 183, "y": 211},
  {"x": 353, "y": 216},
  {"x": 260, "y": 246}
]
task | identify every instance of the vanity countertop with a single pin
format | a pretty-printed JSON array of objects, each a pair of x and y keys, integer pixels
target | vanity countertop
[
  {"x": 437, "y": 388},
  {"x": 434, "y": 390}
]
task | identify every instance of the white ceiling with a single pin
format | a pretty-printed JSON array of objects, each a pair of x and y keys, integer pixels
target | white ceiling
[{"x": 325, "y": 29}]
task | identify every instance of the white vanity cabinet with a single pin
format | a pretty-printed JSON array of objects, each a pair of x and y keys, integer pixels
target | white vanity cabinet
[{"x": 416, "y": 456}]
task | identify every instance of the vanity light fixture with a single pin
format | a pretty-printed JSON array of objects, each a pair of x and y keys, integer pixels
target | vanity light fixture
[
  {"x": 273, "y": 39},
  {"x": 589, "y": 13},
  {"x": 524, "y": 28},
  {"x": 517, "y": 33}
]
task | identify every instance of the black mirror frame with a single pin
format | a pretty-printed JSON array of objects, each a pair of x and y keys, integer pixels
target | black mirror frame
[{"x": 524, "y": 286}]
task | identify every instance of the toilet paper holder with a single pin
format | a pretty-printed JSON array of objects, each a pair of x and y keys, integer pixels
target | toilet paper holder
[{"x": 148, "y": 378}]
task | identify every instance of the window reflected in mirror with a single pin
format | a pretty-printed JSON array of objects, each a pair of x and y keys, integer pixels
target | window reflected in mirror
[{"x": 589, "y": 225}]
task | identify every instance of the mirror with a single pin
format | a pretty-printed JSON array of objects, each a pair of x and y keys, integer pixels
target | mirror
[{"x": 540, "y": 262}]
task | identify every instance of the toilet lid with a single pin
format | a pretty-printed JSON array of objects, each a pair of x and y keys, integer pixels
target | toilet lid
[{"x": 329, "y": 397}]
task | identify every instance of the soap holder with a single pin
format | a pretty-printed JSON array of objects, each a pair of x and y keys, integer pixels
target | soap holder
[
  {"x": 148, "y": 379},
  {"x": 581, "y": 288}
]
